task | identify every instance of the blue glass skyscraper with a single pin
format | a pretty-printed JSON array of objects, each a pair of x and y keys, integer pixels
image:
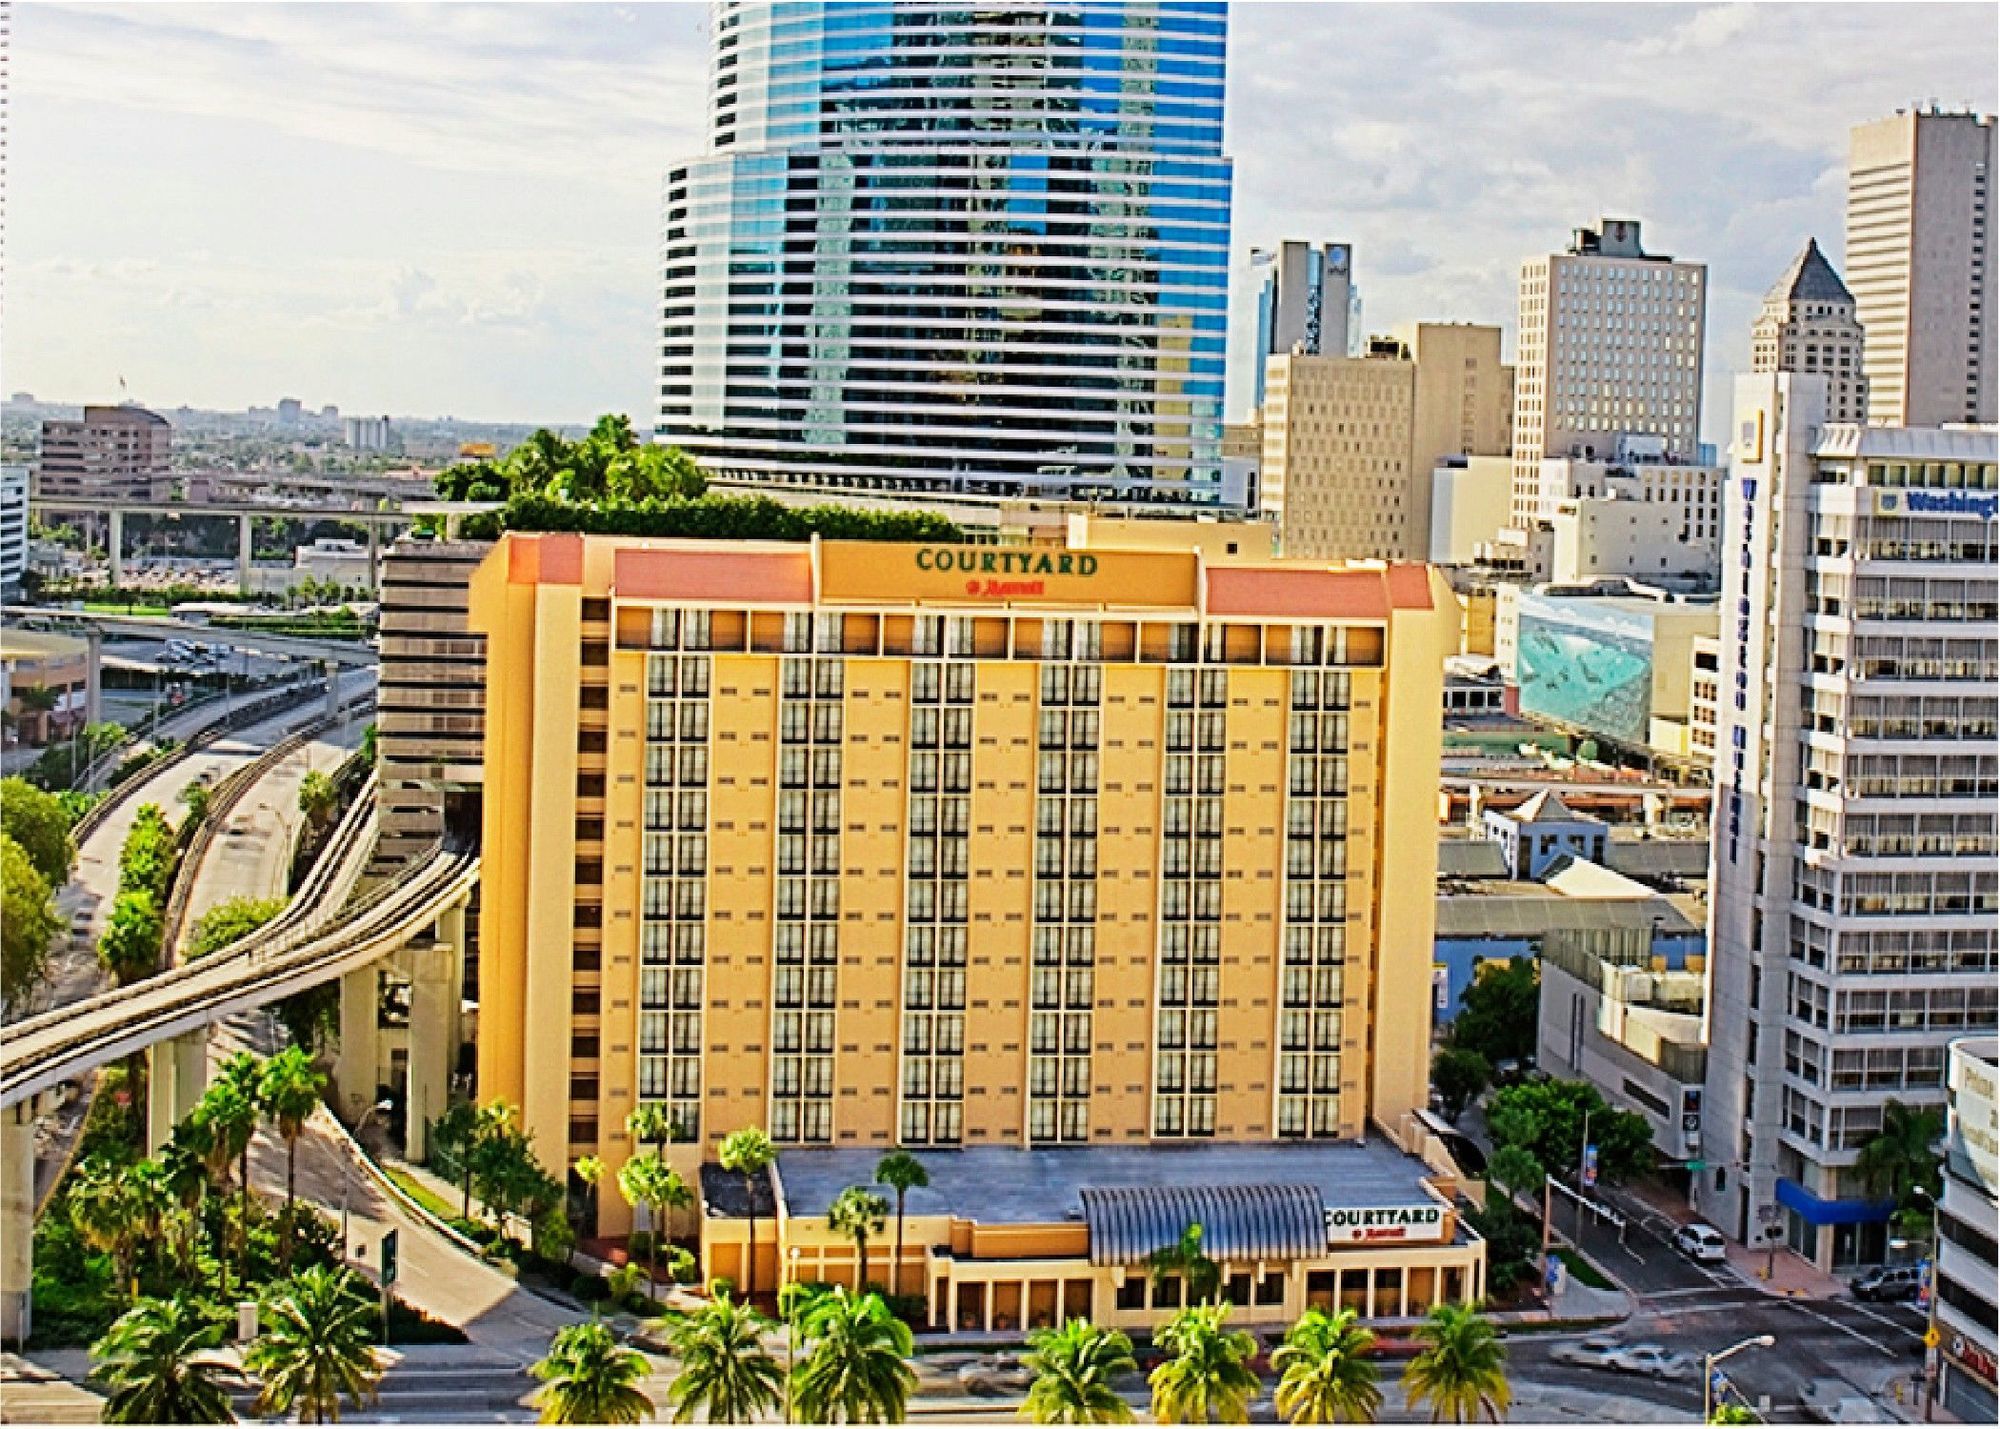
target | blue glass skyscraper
[{"x": 954, "y": 248}]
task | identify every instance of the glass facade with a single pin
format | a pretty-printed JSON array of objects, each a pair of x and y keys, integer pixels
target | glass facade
[{"x": 946, "y": 248}]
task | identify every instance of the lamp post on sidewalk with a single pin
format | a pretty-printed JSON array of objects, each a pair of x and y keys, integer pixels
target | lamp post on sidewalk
[{"x": 1709, "y": 1362}]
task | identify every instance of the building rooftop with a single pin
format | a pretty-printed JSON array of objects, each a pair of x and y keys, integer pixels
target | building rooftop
[
  {"x": 1658, "y": 858},
  {"x": 1546, "y": 807},
  {"x": 1045, "y": 1185},
  {"x": 1851, "y": 439},
  {"x": 1811, "y": 279},
  {"x": 1471, "y": 858},
  {"x": 22, "y": 644},
  {"x": 1527, "y": 910}
]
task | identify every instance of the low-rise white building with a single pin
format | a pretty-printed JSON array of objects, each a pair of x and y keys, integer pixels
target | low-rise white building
[
  {"x": 1962, "y": 1309},
  {"x": 1469, "y": 497},
  {"x": 13, "y": 527}
]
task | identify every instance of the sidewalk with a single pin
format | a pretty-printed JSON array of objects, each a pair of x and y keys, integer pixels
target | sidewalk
[{"x": 1790, "y": 1275}]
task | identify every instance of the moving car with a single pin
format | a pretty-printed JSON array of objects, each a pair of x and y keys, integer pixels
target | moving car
[
  {"x": 1654, "y": 1360},
  {"x": 1700, "y": 1242},
  {"x": 1835, "y": 1401},
  {"x": 1887, "y": 1282},
  {"x": 995, "y": 1374},
  {"x": 1597, "y": 1352}
]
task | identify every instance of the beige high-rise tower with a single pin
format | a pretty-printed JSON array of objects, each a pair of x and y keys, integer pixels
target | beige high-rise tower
[
  {"x": 1610, "y": 345},
  {"x": 1808, "y": 325},
  {"x": 1919, "y": 229}
]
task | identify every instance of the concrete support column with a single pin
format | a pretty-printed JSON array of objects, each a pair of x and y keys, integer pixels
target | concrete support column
[
  {"x": 17, "y": 1221},
  {"x": 374, "y": 557},
  {"x": 433, "y": 1003},
  {"x": 176, "y": 1076},
  {"x": 354, "y": 1069},
  {"x": 93, "y": 676},
  {"x": 332, "y": 672},
  {"x": 245, "y": 550},
  {"x": 115, "y": 544},
  {"x": 190, "y": 1071},
  {"x": 451, "y": 933}
]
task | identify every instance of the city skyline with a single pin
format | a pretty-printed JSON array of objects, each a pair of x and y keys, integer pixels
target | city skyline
[{"x": 383, "y": 207}]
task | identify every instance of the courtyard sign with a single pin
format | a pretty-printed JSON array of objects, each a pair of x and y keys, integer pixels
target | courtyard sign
[{"x": 1367, "y": 1225}]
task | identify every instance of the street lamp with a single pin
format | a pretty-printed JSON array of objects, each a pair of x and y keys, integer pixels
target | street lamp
[
  {"x": 347, "y": 1172},
  {"x": 789, "y": 1303},
  {"x": 1709, "y": 1362},
  {"x": 1930, "y": 1295}
]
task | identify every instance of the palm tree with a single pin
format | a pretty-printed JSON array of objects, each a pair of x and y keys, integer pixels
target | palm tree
[
  {"x": 857, "y": 1212},
  {"x": 245, "y": 1073},
  {"x": 1073, "y": 1368},
  {"x": 748, "y": 1153},
  {"x": 856, "y": 1371},
  {"x": 159, "y": 1363},
  {"x": 622, "y": 1281},
  {"x": 224, "y": 1120},
  {"x": 317, "y": 1345},
  {"x": 1324, "y": 1375},
  {"x": 901, "y": 1173},
  {"x": 659, "y": 1188},
  {"x": 186, "y": 1178},
  {"x": 1901, "y": 1157},
  {"x": 290, "y": 1089},
  {"x": 1206, "y": 1377},
  {"x": 317, "y": 796},
  {"x": 1462, "y": 1368},
  {"x": 110, "y": 1213},
  {"x": 726, "y": 1373},
  {"x": 1186, "y": 1259},
  {"x": 650, "y": 1125},
  {"x": 589, "y": 1378}
]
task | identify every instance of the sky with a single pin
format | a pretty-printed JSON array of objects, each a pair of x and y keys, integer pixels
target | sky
[{"x": 452, "y": 209}]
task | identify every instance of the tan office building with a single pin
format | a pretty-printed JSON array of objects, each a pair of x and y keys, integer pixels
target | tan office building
[
  {"x": 1085, "y": 854},
  {"x": 1609, "y": 344},
  {"x": 1807, "y": 324},
  {"x": 1920, "y": 263}
]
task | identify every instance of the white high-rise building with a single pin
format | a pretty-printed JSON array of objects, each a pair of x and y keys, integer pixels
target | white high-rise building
[
  {"x": 1920, "y": 262},
  {"x": 1853, "y": 881},
  {"x": 1306, "y": 302},
  {"x": 1609, "y": 343},
  {"x": 13, "y": 527},
  {"x": 1808, "y": 325},
  {"x": 1962, "y": 1310}
]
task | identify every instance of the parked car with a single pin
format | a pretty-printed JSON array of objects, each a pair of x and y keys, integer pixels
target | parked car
[
  {"x": 1655, "y": 1360},
  {"x": 995, "y": 1374},
  {"x": 1702, "y": 1243},
  {"x": 1835, "y": 1401},
  {"x": 1597, "y": 1352},
  {"x": 1887, "y": 1282}
]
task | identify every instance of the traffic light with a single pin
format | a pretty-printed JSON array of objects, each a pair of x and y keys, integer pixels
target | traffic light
[{"x": 389, "y": 1239}]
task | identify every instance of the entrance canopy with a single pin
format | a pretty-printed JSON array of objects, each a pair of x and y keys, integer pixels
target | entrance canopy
[{"x": 1238, "y": 1223}]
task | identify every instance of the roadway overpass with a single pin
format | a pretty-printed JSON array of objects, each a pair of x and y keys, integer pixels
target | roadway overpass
[{"x": 161, "y": 627}]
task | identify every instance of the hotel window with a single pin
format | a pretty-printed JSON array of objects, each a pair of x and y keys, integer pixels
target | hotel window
[
  {"x": 674, "y": 884},
  {"x": 807, "y": 927},
  {"x": 1315, "y": 903},
  {"x": 1191, "y": 863}
]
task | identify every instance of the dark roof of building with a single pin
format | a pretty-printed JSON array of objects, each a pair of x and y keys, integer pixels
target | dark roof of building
[
  {"x": 1526, "y": 910},
  {"x": 1812, "y": 279},
  {"x": 1129, "y": 1223},
  {"x": 1658, "y": 858},
  {"x": 722, "y": 1192},
  {"x": 1471, "y": 858},
  {"x": 1002, "y": 1185}
]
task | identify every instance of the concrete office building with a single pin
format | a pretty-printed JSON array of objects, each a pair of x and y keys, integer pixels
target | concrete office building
[
  {"x": 1808, "y": 325},
  {"x": 1920, "y": 262},
  {"x": 116, "y": 452},
  {"x": 13, "y": 528},
  {"x": 1306, "y": 302},
  {"x": 366, "y": 434},
  {"x": 1609, "y": 343},
  {"x": 1856, "y": 796},
  {"x": 1632, "y": 513},
  {"x": 1470, "y": 500},
  {"x": 877, "y": 845},
  {"x": 1351, "y": 444},
  {"x": 980, "y": 252},
  {"x": 1968, "y": 1268}
]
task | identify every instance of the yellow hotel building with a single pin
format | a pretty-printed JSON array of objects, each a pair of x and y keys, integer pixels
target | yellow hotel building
[{"x": 1101, "y": 880}]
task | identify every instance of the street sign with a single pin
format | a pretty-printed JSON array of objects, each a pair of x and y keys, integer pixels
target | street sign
[
  {"x": 1697, "y": 1166},
  {"x": 1717, "y": 1382},
  {"x": 1931, "y": 1338},
  {"x": 1590, "y": 1165},
  {"x": 389, "y": 1239},
  {"x": 1554, "y": 1273}
]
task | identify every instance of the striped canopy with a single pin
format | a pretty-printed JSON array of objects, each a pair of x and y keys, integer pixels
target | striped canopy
[{"x": 1238, "y": 1223}]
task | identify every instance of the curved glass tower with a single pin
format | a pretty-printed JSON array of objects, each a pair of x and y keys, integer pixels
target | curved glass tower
[{"x": 955, "y": 248}]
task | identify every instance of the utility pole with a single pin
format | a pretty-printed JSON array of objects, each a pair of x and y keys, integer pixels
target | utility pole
[{"x": 1582, "y": 1176}]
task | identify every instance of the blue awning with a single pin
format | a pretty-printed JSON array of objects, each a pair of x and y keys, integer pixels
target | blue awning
[
  {"x": 1238, "y": 1223},
  {"x": 1817, "y": 1211}
]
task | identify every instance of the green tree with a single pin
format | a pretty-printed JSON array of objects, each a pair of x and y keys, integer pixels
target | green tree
[
  {"x": 1547, "y": 1117},
  {"x": 225, "y": 1121},
  {"x": 726, "y": 1375},
  {"x": 146, "y": 861},
  {"x": 856, "y": 1368},
  {"x": 857, "y": 1213},
  {"x": 1499, "y": 1013},
  {"x": 749, "y": 1153},
  {"x": 229, "y": 922},
  {"x": 649, "y": 1124},
  {"x": 36, "y": 820},
  {"x": 160, "y": 1363},
  {"x": 1459, "y": 1074},
  {"x": 317, "y": 797},
  {"x": 316, "y": 1346},
  {"x": 1186, "y": 1260},
  {"x": 1206, "y": 1377},
  {"x": 453, "y": 1136},
  {"x": 195, "y": 798},
  {"x": 290, "y": 1090},
  {"x": 1515, "y": 1171},
  {"x": 1902, "y": 1158},
  {"x": 901, "y": 1173},
  {"x": 116, "y": 1207},
  {"x": 1075, "y": 1367},
  {"x": 1461, "y": 1371},
  {"x": 649, "y": 1182},
  {"x": 589, "y": 1378},
  {"x": 129, "y": 947},
  {"x": 1733, "y": 1413},
  {"x": 29, "y": 923},
  {"x": 1324, "y": 1373}
]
